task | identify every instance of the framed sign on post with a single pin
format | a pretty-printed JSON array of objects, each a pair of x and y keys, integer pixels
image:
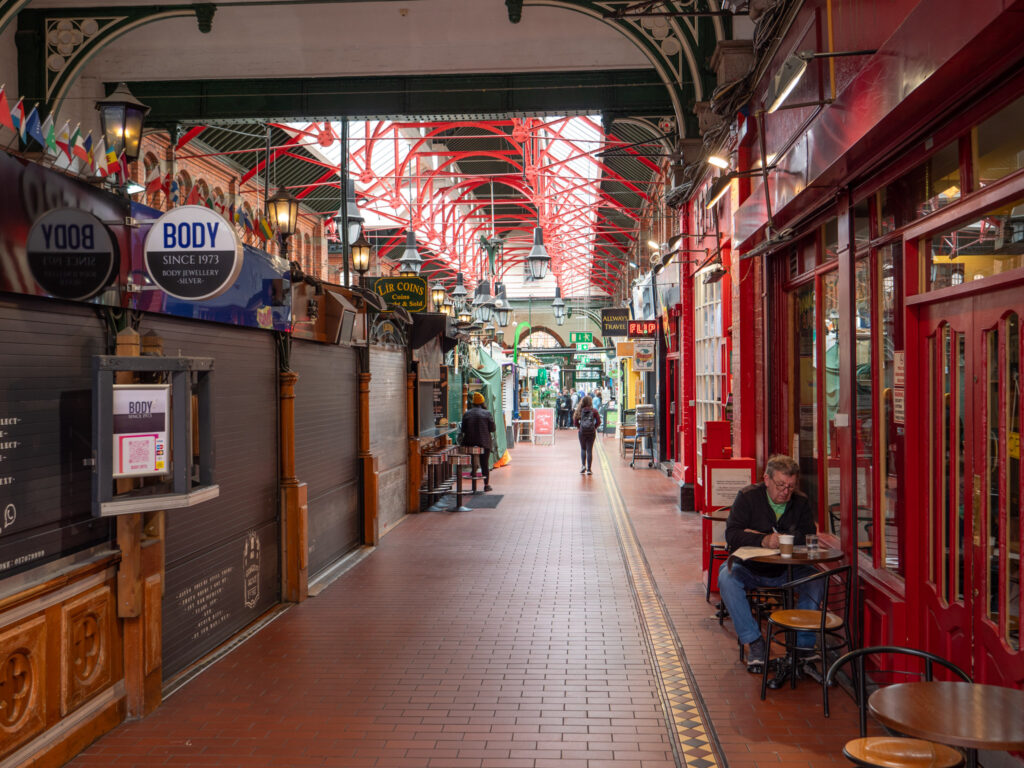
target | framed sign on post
[
  {"x": 141, "y": 428},
  {"x": 544, "y": 426},
  {"x": 643, "y": 355}
]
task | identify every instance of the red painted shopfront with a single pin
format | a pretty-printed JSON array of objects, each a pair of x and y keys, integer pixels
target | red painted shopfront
[{"x": 874, "y": 287}]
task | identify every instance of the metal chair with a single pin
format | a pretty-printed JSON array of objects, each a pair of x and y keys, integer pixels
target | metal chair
[
  {"x": 893, "y": 751},
  {"x": 831, "y": 623}
]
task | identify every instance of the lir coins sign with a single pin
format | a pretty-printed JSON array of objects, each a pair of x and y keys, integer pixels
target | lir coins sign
[
  {"x": 71, "y": 254},
  {"x": 192, "y": 253},
  {"x": 407, "y": 291}
]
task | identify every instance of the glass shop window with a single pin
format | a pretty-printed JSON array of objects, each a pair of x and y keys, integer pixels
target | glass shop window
[
  {"x": 830, "y": 240},
  {"x": 932, "y": 185},
  {"x": 989, "y": 246},
  {"x": 891, "y": 383},
  {"x": 998, "y": 146}
]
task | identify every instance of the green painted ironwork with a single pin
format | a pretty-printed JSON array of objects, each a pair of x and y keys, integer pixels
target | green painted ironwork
[{"x": 54, "y": 44}]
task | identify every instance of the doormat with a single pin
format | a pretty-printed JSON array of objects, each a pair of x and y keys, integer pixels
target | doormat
[{"x": 486, "y": 501}]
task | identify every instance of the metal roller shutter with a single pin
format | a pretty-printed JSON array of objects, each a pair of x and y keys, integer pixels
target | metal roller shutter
[
  {"x": 223, "y": 556},
  {"x": 327, "y": 447},
  {"x": 46, "y": 431},
  {"x": 388, "y": 432}
]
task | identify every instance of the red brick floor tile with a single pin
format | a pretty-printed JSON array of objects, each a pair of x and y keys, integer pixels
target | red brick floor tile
[{"x": 498, "y": 638}]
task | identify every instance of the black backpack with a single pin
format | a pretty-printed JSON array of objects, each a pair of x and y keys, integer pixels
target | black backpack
[{"x": 588, "y": 422}]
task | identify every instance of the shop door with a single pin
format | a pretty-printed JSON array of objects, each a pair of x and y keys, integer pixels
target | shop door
[
  {"x": 969, "y": 383},
  {"x": 671, "y": 399}
]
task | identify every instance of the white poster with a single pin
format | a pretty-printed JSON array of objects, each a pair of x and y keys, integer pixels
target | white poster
[
  {"x": 140, "y": 428},
  {"x": 643, "y": 355}
]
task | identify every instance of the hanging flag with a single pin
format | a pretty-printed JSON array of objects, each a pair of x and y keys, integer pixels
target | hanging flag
[
  {"x": 90, "y": 159},
  {"x": 154, "y": 180},
  {"x": 245, "y": 220},
  {"x": 193, "y": 195},
  {"x": 18, "y": 119},
  {"x": 99, "y": 154},
  {"x": 5, "y": 110},
  {"x": 173, "y": 192},
  {"x": 49, "y": 135},
  {"x": 75, "y": 146},
  {"x": 33, "y": 127},
  {"x": 111, "y": 161},
  {"x": 122, "y": 167},
  {"x": 265, "y": 230},
  {"x": 64, "y": 139}
]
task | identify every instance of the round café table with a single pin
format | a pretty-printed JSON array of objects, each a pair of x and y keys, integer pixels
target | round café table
[{"x": 967, "y": 715}]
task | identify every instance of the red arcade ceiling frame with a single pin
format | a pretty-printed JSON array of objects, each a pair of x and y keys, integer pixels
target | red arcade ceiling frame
[{"x": 439, "y": 176}]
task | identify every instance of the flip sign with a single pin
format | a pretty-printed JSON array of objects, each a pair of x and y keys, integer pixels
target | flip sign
[{"x": 639, "y": 329}]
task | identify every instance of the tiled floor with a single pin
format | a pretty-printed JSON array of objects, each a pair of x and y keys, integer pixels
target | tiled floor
[{"x": 545, "y": 632}]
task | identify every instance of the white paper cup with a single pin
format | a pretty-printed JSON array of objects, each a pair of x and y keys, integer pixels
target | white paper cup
[{"x": 786, "y": 544}]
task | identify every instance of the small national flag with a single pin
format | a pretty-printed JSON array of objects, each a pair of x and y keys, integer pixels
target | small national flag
[
  {"x": 122, "y": 167},
  {"x": 18, "y": 118},
  {"x": 265, "y": 231},
  {"x": 5, "y": 110},
  {"x": 79, "y": 148},
  {"x": 245, "y": 221},
  {"x": 154, "y": 179},
  {"x": 89, "y": 157},
  {"x": 111, "y": 161},
  {"x": 99, "y": 153},
  {"x": 33, "y": 127},
  {"x": 49, "y": 136},
  {"x": 64, "y": 139},
  {"x": 174, "y": 193},
  {"x": 193, "y": 195}
]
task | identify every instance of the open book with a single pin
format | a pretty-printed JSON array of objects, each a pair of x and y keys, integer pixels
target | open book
[{"x": 745, "y": 553}]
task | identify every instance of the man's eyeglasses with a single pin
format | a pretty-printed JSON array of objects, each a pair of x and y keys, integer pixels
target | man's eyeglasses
[{"x": 784, "y": 487}]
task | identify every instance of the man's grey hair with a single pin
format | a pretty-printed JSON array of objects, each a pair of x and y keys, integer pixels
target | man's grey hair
[{"x": 784, "y": 465}]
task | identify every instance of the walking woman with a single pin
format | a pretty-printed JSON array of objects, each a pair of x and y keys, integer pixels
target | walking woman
[{"x": 587, "y": 420}]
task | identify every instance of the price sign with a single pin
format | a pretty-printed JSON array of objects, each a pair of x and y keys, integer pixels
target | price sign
[{"x": 639, "y": 329}]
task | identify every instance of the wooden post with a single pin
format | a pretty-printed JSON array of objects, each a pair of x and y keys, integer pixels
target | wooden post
[
  {"x": 368, "y": 464},
  {"x": 295, "y": 510},
  {"x": 140, "y": 576},
  {"x": 415, "y": 473}
]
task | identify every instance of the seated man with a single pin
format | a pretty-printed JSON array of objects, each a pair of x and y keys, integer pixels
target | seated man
[{"x": 758, "y": 515}]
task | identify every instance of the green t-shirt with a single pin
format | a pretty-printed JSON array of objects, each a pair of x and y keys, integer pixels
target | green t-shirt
[{"x": 779, "y": 509}]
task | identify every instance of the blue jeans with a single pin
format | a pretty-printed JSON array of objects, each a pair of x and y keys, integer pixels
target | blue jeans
[{"x": 733, "y": 585}]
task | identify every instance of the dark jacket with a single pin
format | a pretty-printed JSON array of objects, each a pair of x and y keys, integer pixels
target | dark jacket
[
  {"x": 564, "y": 402},
  {"x": 751, "y": 510},
  {"x": 597, "y": 417},
  {"x": 477, "y": 425}
]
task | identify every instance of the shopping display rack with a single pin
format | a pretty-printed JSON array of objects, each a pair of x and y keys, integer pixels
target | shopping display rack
[{"x": 644, "y": 436}]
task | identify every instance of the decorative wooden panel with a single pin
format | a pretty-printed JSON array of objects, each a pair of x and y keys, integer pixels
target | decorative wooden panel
[
  {"x": 22, "y": 682},
  {"x": 86, "y": 647}
]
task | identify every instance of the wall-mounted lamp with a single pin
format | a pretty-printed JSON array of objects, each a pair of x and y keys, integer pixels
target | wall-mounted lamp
[
  {"x": 721, "y": 184},
  {"x": 715, "y": 272},
  {"x": 791, "y": 72},
  {"x": 718, "y": 161}
]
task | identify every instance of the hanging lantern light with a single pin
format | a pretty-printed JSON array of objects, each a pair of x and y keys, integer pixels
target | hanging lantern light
[
  {"x": 283, "y": 212},
  {"x": 502, "y": 309},
  {"x": 411, "y": 260},
  {"x": 121, "y": 119},
  {"x": 537, "y": 260},
  {"x": 483, "y": 301},
  {"x": 560, "y": 320},
  {"x": 464, "y": 316},
  {"x": 361, "y": 255},
  {"x": 558, "y": 306},
  {"x": 355, "y": 216},
  {"x": 459, "y": 292},
  {"x": 437, "y": 295}
]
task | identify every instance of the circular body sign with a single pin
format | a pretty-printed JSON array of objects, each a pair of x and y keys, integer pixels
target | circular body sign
[
  {"x": 71, "y": 253},
  {"x": 192, "y": 253}
]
